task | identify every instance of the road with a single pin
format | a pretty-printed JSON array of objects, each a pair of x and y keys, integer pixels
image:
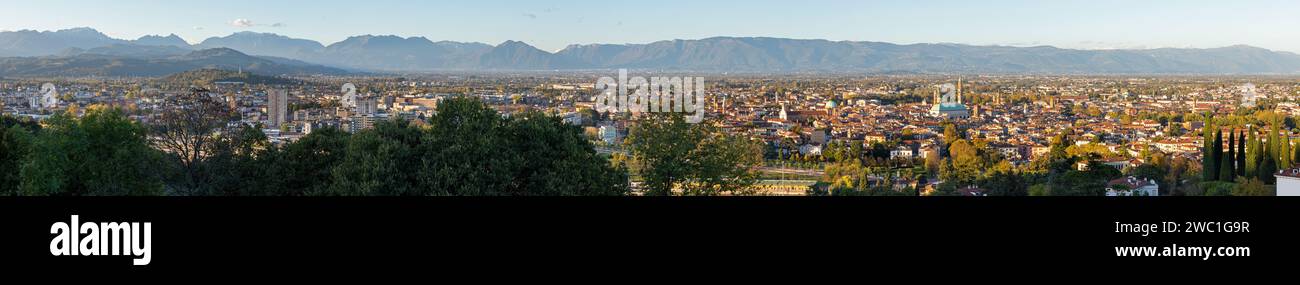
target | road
[{"x": 793, "y": 171}]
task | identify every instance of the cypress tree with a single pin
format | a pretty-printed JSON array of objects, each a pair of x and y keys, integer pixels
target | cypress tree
[
  {"x": 1225, "y": 169},
  {"x": 1295, "y": 155},
  {"x": 1284, "y": 152},
  {"x": 1216, "y": 151},
  {"x": 1241, "y": 154},
  {"x": 1231, "y": 156},
  {"x": 1267, "y": 169},
  {"x": 1207, "y": 149},
  {"x": 1261, "y": 154},
  {"x": 1252, "y": 153},
  {"x": 1273, "y": 145}
]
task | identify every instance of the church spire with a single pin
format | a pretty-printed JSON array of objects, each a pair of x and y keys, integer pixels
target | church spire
[
  {"x": 937, "y": 100},
  {"x": 784, "y": 116},
  {"x": 959, "y": 90}
]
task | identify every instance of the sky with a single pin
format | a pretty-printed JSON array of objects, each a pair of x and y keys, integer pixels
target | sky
[{"x": 552, "y": 25}]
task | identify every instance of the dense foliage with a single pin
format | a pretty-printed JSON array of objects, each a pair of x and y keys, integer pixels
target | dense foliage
[
  {"x": 466, "y": 149},
  {"x": 679, "y": 158}
]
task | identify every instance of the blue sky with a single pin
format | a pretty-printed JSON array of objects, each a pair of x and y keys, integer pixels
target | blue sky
[{"x": 551, "y": 25}]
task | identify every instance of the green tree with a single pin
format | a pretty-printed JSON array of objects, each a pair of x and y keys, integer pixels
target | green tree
[
  {"x": 1240, "y": 155},
  {"x": 304, "y": 166},
  {"x": 1254, "y": 154},
  {"x": 1176, "y": 175},
  {"x": 1005, "y": 183},
  {"x": 1150, "y": 171},
  {"x": 190, "y": 130},
  {"x": 26, "y": 124},
  {"x": 558, "y": 161},
  {"x": 1284, "y": 151},
  {"x": 1218, "y": 188},
  {"x": 466, "y": 151},
  {"x": 1267, "y": 169},
  {"x": 950, "y": 134},
  {"x": 1079, "y": 183},
  {"x": 15, "y": 144},
  {"x": 1230, "y": 156},
  {"x": 1295, "y": 156},
  {"x": 379, "y": 162},
  {"x": 236, "y": 164},
  {"x": 102, "y": 154},
  {"x": 1216, "y": 152},
  {"x": 1253, "y": 187},
  {"x": 947, "y": 188},
  {"x": 696, "y": 159},
  {"x": 966, "y": 160},
  {"x": 1208, "y": 156},
  {"x": 1226, "y": 173},
  {"x": 933, "y": 160},
  {"x": 1274, "y": 144},
  {"x": 1059, "y": 158},
  {"x": 1039, "y": 190}
]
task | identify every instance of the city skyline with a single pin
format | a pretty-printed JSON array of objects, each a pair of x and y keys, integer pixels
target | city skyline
[{"x": 553, "y": 26}]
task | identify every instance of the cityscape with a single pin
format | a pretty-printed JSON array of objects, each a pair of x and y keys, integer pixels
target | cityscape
[
  {"x": 928, "y": 135},
  {"x": 513, "y": 137},
  {"x": 245, "y": 108}
]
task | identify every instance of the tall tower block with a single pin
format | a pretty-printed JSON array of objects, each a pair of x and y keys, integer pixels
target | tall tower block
[{"x": 276, "y": 107}]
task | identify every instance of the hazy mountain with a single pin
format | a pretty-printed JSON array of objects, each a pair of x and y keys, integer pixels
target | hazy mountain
[
  {"x": 723, "y": 54},
  {"x": 289, "y": 61},
  {"x": 133, "y": 51},
  {"x": 393, "y": 53},
  {"x": 514, "y": 55},
  {"x": 230, "y": 59},
  {"x": 92, "y": 64},
  {"x": 719, "y": 54},
  {"x": 265, "y": 44},
  {"x": 34, "y": 43},
  {"x": 170, "y": 40},
  {"x": 777, "y": 55}
]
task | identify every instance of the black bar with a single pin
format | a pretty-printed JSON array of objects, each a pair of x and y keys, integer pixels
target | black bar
[{"x": 194, "y": 235}]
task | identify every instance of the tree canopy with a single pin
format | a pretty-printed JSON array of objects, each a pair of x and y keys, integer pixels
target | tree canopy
[
  {"x": 466, "y": 149},
  {"x": 679, "y": 158},
  {"x": 103, "y": 153}
]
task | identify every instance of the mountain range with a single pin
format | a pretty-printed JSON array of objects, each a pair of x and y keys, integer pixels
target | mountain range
[
  {"x": 121, "y": 60},
  {"x": 277, "y": 54}
]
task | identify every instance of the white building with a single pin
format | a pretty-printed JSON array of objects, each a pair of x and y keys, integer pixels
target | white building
[
  {"x": 810, "y": 149},
  {"x": 1288, "y": 182},
  {"x": 609, "y": 134},
  {"x": 902, "y": 152},
  {"x": 1132, "y": 186}
]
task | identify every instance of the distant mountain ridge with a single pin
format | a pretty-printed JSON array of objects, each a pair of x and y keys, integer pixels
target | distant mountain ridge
[
  {"x": 393, "y": 53},
  {"x": 719, "y": 54},
  {"x": 170, "y": 40},
  {"x": 34, "y": 43},
  {"x": 153, "y": 61},
  {"x": 264, "y": 44}
]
